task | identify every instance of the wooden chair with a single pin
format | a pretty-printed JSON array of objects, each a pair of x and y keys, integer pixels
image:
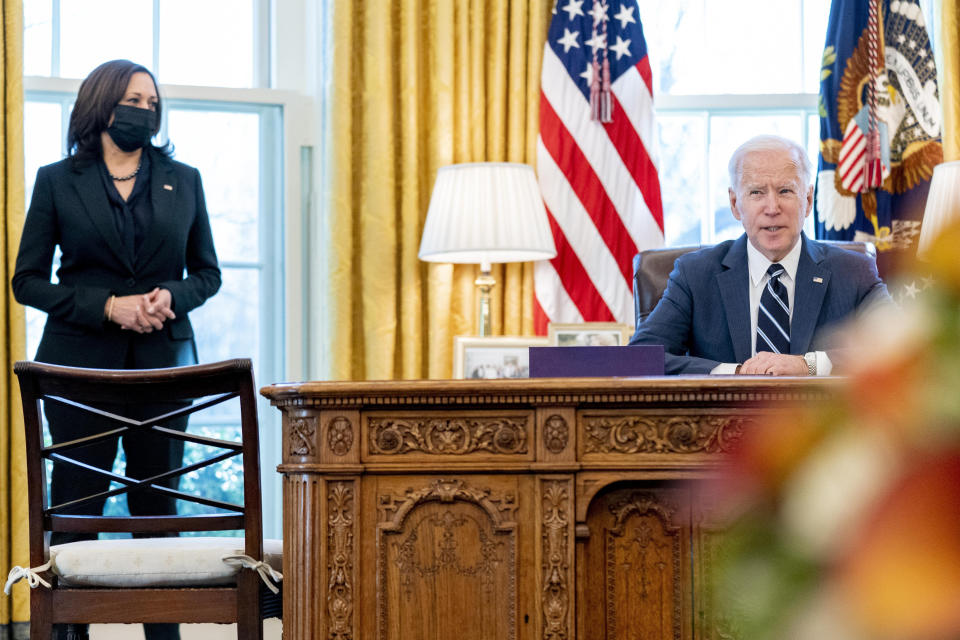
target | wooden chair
[{"x": 158, "y": 578}]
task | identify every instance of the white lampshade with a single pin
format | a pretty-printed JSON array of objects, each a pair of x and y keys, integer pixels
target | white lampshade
[
  {"x": 943, "y": 204},
  {"x": 486, "y": 212}
]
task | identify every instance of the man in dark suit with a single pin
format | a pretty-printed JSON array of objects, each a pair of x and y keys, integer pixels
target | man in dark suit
[{"x": 767, "y": 302}]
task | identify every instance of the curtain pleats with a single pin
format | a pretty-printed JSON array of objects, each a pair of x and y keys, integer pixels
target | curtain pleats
[
  {"x": 13, "y": 489},
  {"x": 950, "y": 91},
  {"x": 419, "y": 84}
]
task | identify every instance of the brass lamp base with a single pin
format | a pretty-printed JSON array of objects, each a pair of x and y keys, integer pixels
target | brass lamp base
[{"x": 484, "y": 282}]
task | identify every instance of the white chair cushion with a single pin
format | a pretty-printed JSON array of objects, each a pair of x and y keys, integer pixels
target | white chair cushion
[{"x": 153, "y": 562}]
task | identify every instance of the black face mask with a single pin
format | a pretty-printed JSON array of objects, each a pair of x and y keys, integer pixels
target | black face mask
[{"x": 132, "y": 127}]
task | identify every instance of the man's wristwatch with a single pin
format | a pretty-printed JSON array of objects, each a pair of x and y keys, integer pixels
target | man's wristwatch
[{"x": 811, "y": 359}]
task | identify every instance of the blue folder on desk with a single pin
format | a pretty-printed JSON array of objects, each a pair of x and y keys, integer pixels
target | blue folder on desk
[{"x": 600, "y": 362}]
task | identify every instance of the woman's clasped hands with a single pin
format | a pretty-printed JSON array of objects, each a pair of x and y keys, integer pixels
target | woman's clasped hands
[{"x": 142, "y": 313}]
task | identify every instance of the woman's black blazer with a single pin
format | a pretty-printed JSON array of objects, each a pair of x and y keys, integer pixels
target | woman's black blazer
[{"x": 70, "y": 208}]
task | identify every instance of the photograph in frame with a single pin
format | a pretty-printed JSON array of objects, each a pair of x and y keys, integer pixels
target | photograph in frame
[
  {"x": 588, "y": 334},
  {"x": 493, "y": 356}
]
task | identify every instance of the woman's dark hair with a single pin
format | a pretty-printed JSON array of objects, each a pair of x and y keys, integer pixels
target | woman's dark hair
[{"x": 99, "y": 94}]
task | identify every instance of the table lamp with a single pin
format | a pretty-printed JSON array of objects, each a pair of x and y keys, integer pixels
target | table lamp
[
  {"x": 486, "y": 212},
  {"x": 943, "y": 204}
]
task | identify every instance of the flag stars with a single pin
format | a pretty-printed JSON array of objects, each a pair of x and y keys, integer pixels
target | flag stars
[
  {"x": 598, "y": 41},
  {"x": 573, "y": 8},
  {"x": 599, "y": 12},
  {"x": 625, "y": 16},
  {"x": 910, "y": 290},
  {"x": 901, "y": 38},
  {"x": 927, "y": 282},
  {"x": 622, "y": 47},
  {"x": 912, "y": 44},
  {"x": 931, "y": 65},
  {"x": 569, "y": 40},
  {"x": 922, "y": 54},
  {"x": 587, "y": 74}
]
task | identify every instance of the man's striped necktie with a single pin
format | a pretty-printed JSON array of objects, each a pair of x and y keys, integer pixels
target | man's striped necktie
[{"x": 773, "y": 316}]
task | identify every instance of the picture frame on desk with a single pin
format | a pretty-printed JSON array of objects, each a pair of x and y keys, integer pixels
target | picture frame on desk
[
  {"x": 588, "y": 334},
  {"x": 494, "y": 356}
]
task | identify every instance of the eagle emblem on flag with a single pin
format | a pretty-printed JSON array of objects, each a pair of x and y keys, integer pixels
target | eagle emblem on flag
[{"x": 880, "y": 123}]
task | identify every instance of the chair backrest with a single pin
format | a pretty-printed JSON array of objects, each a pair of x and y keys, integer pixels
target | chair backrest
[
  {"x": 111, "y": 393},
  {"x": 651, "y": 270}
]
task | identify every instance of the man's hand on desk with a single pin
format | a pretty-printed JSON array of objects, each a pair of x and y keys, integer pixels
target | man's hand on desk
[{"x": 774, "y": 364}]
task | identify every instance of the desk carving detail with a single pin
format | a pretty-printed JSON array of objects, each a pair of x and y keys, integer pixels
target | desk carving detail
[
  {"x": 448, "y": 435},
  {"x": 339, "y": 436},
  {"x": 555, "y": 598},
  {"x": 302, "y": 431},
  {"x": 340, "y": 567},
  {"x": 663, "y": 434},
  {"x": 500, "y": 508},
  {"x": 642, "y": 537},
  {"x": 447, "y": 537},
  {"x": 556, "y": 433},
  {"x": 413, "y": 563}
]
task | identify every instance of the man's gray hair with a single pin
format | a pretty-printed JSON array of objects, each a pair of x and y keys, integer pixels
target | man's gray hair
[{"x": 769, "y": 143}]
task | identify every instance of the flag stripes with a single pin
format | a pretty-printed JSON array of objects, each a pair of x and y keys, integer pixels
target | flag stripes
[{"x": 599, "y": 180}]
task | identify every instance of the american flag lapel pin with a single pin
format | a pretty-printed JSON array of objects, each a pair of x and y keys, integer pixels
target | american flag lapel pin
[
  {"x": 168, "y": 187},
  {"x": 818, "y": 280}
]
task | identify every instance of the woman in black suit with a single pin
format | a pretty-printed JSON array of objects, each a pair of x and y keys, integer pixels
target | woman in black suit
[{"x": 130, "y": 223}]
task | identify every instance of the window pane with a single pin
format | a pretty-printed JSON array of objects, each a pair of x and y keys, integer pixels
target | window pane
[
  {"x": 225, "y": 147},
  {"x": 726, "y": 134},
  {"x": 94, "y": 31},
  {"x": 207, "y": 42},
  {"x": 226, "y": 324},
  {"x": 37, "y": 37},
  {"x": 42, "y": 130},
  {"x": 813, "y": 151},
  {"x": 813, "y": 139},
  {"x": 683, "y": 176},
  {"x": 816, "y": 14},
  {"x": 737, "y": 46}
]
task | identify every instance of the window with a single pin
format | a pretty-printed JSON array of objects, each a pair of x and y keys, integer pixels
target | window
[
  {"x": 723, "y": 72},
  {"x": 188, "y": 42},
  {"x": 235, "y": 137}
]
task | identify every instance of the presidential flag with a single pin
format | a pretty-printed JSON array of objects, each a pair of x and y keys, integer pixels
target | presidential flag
[
  {"x": 879, "y": 125},
  {"x": 596, "y": 162}
]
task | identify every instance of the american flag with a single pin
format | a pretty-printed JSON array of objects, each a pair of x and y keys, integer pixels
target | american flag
[{"x": 599, "y": 179}]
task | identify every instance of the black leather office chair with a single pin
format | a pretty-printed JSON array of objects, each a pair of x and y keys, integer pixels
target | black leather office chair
[{"x": 651, "y": 270}]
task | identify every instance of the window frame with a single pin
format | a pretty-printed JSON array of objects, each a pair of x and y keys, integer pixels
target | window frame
[{"x": 708, "y": 106}]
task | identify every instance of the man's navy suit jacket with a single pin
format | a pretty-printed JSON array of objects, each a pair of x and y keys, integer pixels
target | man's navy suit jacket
[{"x": 703, "y": 318}]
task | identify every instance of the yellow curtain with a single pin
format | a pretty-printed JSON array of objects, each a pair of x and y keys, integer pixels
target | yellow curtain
[
  {"x": 13, "y": 487},
  {"x": 418, "y": 84},
  {"x": 950, "y": 91}
]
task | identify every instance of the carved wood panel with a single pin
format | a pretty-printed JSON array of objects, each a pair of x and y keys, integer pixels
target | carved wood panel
[
  {"x": 667, "y": 433},
  {"x": 556, "y": 579},
  {"x": 429, "y": 435},
  {"x": 446, "y": 562},
  {"x": 341, "y": 576},
  {"x": 712, "y": 622},
  {"x": 300, "y": 435},
  {"x": 636, "y": 565},
  {"x": 302, "y": 494}
]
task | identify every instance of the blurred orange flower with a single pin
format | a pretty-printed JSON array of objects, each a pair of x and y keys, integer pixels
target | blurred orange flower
[
  {"x": 902, "y": 575},
  {"x": 847, "y": 515}
]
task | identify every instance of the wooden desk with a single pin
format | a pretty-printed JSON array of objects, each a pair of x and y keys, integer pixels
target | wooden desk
[{"x": 507, "y": 509}]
